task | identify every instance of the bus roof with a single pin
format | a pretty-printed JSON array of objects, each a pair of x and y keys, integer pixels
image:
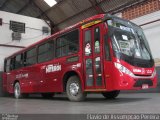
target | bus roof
[{"x": 99, "y": 16}]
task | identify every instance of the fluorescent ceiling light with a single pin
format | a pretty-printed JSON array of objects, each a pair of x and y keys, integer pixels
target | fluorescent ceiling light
[{"x": 50, "y": 2}]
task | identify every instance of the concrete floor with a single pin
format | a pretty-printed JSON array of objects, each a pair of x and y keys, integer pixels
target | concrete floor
[{"x": 95, "y": 103}]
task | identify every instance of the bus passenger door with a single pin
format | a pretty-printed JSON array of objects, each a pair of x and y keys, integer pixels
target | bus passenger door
[{"x": 92, "y": 50}]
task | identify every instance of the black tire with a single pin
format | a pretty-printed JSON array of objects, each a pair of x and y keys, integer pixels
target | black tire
[
  {"x": 17, "y": 91},
  {"x": 47, "y": 95},
  {"x": 111, "y": 95},
  {"x": 74, "y": 89}
]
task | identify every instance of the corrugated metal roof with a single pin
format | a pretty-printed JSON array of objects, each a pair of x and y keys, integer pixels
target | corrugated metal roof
[
  {"x": 66, "y": 9},
  {"x": 115, "y": 4},
  {"x": 107, "y": 6},
  {"x": 31, "y": 11},
  {"x": 66, "y": 12},
  {"x": 42, "y": 4},
  {"x": 1, "y": 3}
]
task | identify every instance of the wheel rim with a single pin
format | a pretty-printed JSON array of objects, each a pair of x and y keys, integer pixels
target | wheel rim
[
  {"x": 17, "y": 91},
  {"x": 74, "y": 89}
]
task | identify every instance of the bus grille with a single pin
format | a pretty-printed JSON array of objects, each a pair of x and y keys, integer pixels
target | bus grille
[{"x": 140, "y": 82}]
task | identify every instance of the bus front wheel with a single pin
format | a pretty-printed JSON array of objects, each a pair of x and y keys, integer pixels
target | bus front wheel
[
  {"x": 111, "y": 95},
  {"x": 74, "y": 89}
]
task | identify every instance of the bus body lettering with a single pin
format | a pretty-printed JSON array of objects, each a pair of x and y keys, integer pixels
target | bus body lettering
[{"x": 53, "y": 68}]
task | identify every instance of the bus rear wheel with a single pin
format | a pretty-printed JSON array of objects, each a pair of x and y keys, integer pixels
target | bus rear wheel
[
  {"x": 17, "y": 92},
  {"x": 47, "y": 95},
  {"x": 111, "y": 95},
  {"x": 74, "y": 89}
]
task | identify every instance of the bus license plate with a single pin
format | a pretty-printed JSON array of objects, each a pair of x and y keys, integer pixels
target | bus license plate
[{"x": 145, "y": 86}]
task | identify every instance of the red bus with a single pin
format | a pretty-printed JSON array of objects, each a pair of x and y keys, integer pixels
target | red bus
[{"x": 102, "y": 54}]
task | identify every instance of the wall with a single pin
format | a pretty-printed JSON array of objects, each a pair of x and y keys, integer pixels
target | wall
[
  {"x": 33, "y": 33},
  {"x": 144, "y": 8}
]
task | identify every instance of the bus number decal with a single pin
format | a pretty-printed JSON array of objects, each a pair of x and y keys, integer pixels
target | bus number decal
[
  {"x": 22, "y": 76},
  {"x": 53, "y": 68}
]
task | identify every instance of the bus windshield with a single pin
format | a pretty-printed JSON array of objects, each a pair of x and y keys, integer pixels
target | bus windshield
[{"x": 128, "y": 41}]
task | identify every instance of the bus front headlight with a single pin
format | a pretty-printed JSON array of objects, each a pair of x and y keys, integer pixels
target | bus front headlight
[{"x": 123, "y": 69}]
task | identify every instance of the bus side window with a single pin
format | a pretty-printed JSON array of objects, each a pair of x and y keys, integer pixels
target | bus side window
[
  {"x": 51, "y": 49},
  {"x": 18, "y": 61},
  {"x": 73, "y": 42},
  {"x": 24, "y": 59},
  {"x": 30, "y": 57},
  {"x": 67, "y": 44},
  {"x": 7, "y": 65},
  {"x": 12, "y": 65},
  {"x": 46, "y": 52}
]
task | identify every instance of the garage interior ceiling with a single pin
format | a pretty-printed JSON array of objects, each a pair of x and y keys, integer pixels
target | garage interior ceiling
[{"x": 65, "y": 12}]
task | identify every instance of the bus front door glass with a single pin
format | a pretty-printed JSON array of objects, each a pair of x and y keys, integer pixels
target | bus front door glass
[{"x": 92, "y": 56}]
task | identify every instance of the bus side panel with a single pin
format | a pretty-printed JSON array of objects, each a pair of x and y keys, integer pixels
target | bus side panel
[
  {"x": 11, "y": 77},
  {"x": 27, "y": 81},
  {"x": 75, "y": 67},
  {"x": 108, "y": 74},
  {"x": 51, "y": 76},
  {"x": 26, "y": 78},
  {"x": 54, "y": 79}
]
